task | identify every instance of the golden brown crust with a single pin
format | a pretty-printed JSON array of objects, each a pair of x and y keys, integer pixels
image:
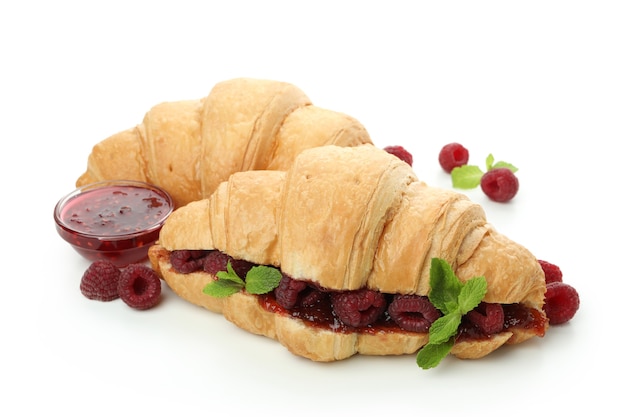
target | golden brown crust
[
  {"x": 102, "y": 163},
  {"x": 311, "y": 126},
  {"x": 240, "y": 122},
  {"x": 498, "y": 256},
  {"x": 429, "y": 223},
  {"x": 189, "y": 147},
  {"x": 172, "y": 151},
  {"x": 341, "y": 201}
]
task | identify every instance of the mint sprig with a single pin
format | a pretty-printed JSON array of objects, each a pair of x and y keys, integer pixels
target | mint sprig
[
  {"x": 454, "y": 299},
  {"x": 467, "y": 177},
  {"x": 259, "y": 279}
]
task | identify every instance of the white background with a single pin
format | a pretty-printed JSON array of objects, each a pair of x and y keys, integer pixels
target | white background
[{"x": 540, "y": 84}]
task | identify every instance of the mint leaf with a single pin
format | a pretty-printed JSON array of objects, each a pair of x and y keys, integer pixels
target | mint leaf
[
  {"x": 454, "y": 299},
  {"x": 430, "y": 355},
  {"x": 466, "y": 177},
  {"x": 502, "y": 164},
  {"x": 226, "y": 284},
  {"x": 444, "y": 286},
  {"x": 472, "y": 293},
  {"x": 222, "y": 288},
  {"x": 444, "y": 328},
  {"x": 489, "y": 162},
  {"x": 262, "y": 279},
  {"x": 229, "y": 275}
]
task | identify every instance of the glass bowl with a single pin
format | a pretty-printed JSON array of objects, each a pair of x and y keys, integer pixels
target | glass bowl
[{"x": 115, "y": 220}]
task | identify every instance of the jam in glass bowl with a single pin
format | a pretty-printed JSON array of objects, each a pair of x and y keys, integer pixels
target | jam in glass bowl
[{"x": 115, "y": 220}]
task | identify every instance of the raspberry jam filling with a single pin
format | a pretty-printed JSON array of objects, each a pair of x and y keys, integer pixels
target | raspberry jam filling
[{"x": 364, "y": 310}]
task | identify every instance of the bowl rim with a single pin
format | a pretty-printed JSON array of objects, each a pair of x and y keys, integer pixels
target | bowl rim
[{"x": 108, "y": 183}]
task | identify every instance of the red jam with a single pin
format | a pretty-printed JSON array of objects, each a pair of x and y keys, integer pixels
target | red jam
[
  {"x": 516, "y": 316},
  {"x": 321, "y": 316},
  {"x": 118, "y": 222}
]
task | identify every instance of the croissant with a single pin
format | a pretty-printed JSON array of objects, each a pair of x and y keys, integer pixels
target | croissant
[
  {"x": 189, "y": 147},
  {"x": 344, "y": 220}
]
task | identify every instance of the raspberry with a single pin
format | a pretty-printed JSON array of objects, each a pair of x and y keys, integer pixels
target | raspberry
[
  {"x": 288, "y": 291},
  {"x": 552, "y": 272},
  {"x": 100, "y": 280},
  {"x": 358, "y": 308},
  {"x": 562, "y": 302},
  {"x": 187, "y": 261},
  {"x": 453, "y": 155},
  {"x": 139, "y": 286},
  {"x": 215, "y": 262},
  {"x": 414, "y": 313},
  {"x": 488, "y": 317},
  {"x": 499, "y": 184},
  {"x": 401, "y": 153}
]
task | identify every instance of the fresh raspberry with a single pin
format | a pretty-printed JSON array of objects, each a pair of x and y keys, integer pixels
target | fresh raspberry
[
  {"x": 187, "y": 261},
  {"x": 358, "y": 308},
  {"x": 414, "y": 313},
  {"x": 100, "y": 280},
  {"x": 453, "y": 155},
  {"x": 499, "y": 184},
  {"x": 139, "y": 286},
  {"x": 215, "y": 262},
  {"x": 562, "y": 302},
  {"x": 401, "y": 153},
  {"x": 488, "y": 317},
  {"x": 552, "y": 272},
  {"x": 288, "y": 291}
]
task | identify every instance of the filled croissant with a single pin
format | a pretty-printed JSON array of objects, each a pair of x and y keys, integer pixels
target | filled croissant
[
  {"x": 190, "y": 147},
  {"x": 353, "y": 232}
]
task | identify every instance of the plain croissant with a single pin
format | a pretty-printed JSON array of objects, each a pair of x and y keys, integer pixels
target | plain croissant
[
  {"x": 347, "y": 218},
  {"x": 190, "y": 147}
]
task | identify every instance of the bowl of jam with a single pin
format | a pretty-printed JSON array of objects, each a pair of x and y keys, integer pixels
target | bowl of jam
[{"x": 115, "y": 220}]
